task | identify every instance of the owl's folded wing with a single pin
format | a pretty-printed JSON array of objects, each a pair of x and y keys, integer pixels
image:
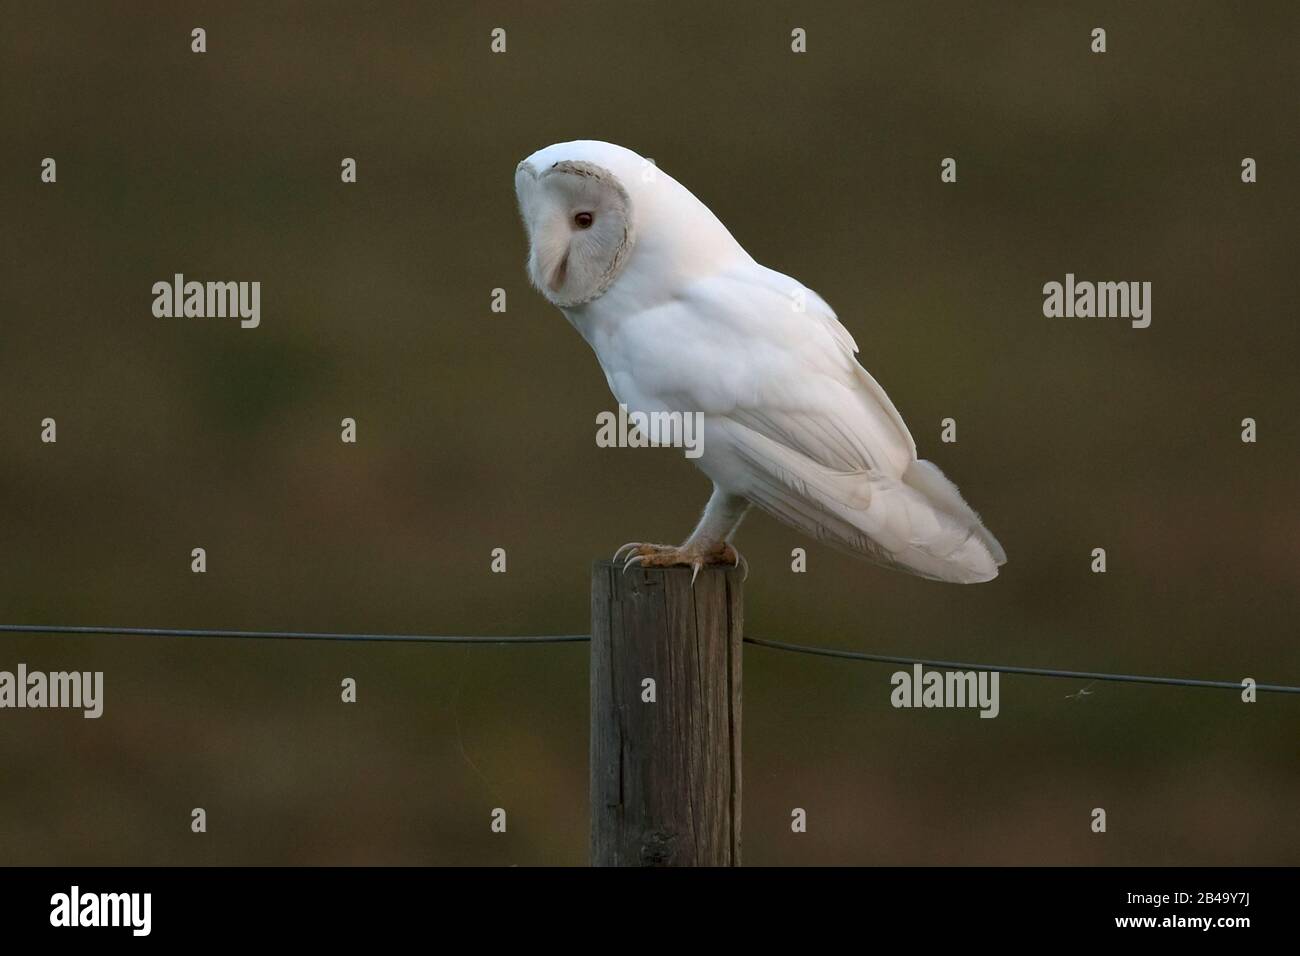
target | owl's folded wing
[{"x": 818, "y": 443}]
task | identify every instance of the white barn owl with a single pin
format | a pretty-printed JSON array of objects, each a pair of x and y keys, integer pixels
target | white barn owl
[{"x": 682, "y": 319}]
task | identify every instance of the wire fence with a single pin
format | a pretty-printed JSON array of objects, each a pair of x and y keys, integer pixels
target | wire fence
[{"x": 218, "y": 633}]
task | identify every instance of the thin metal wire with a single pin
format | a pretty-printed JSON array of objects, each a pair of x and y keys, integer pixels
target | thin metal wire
[
  {"x": 291, "y": 635},
  {"x": 1007, "y": 669},
  {"x": 575, "y": 638}
]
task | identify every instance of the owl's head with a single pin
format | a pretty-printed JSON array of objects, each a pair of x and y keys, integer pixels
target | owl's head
[
  {"x": 592, "y": 210},
  {"x": 580, "y": 228}
]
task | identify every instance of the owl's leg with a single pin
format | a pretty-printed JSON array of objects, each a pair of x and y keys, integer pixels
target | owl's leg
[{"x": 709, "y": 543}]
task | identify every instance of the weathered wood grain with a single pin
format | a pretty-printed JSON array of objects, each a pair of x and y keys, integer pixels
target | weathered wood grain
[{"x": 665, "y": 776}]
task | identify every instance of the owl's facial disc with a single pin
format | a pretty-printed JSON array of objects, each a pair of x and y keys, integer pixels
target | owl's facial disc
[{"x": 579, "y": 222}]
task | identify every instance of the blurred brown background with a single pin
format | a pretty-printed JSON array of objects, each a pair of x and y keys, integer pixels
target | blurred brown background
[{"x": 476, "y": 430}]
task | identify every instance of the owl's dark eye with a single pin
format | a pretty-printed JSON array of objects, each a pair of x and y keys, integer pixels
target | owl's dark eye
[{"x": 583, "y": 220}]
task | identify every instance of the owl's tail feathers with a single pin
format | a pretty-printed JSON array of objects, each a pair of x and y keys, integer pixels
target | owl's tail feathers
[
  {"x": 945, "y": 538},
  {"x": 917, "y": 523}
]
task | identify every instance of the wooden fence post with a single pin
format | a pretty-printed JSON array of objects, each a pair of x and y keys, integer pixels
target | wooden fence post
[{"x": 665, "y": 773}]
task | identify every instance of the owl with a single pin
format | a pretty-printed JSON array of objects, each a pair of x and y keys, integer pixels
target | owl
[{"x": 683, "y": 320}]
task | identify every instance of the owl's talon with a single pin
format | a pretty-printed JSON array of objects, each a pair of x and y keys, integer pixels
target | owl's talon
[
  {"x": 630, "y": 546},
  {"x": 743, "y": 565},
  {"x": 694, "y": 556}
]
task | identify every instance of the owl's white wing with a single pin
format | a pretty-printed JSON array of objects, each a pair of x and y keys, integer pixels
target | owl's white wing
[{"x": 797, "y": 426}]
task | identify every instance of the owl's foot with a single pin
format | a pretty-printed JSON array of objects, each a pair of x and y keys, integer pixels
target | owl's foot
[{"x": 691, "y": 555}]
